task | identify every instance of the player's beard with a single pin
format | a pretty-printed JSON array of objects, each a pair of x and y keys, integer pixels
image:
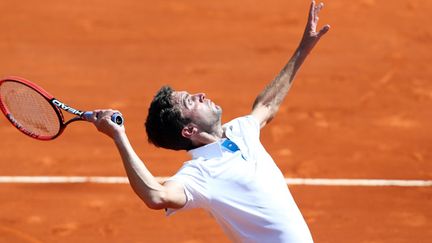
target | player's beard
[{"x": 212, "y": 124}]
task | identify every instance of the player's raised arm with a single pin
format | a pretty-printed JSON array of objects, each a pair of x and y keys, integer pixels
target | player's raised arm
[
  {"x": 145, "y": 185},
  {"x": 268, "y": 101}
]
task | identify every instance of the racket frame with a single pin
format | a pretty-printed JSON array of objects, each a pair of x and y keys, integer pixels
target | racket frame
[{"x": 57, "y": 105}]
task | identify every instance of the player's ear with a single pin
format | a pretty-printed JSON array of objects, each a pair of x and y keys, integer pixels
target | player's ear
[{"x": 189, "y": 130}]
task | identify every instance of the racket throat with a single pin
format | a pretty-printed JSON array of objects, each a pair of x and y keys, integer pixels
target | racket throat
[{"x": 65, "y": 107}]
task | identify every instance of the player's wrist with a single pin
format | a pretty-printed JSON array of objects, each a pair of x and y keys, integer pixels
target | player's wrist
[{"x": 119, "y": 136}]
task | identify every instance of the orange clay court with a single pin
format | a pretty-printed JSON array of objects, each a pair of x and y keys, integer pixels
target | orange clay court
[{"x": 360, "y": 108}]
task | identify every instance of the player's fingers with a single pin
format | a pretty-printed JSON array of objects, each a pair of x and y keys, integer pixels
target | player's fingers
[
  {"x": 106, "y": 113},
  {"x": 316, "y": 11},
  {"x": 109, "y": 116},
  {"x": 319, "y": 7},
  {"x": 324, "y": 30},
  {"x": 90, "y": 116},
  {"x": 93, "y": 116},
  {"x": 311, "y": 11}
]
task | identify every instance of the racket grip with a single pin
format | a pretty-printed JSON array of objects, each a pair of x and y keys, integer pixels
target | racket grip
[
  {"x": 117, "y": 118},
  {"x": 87, "y": 115}
]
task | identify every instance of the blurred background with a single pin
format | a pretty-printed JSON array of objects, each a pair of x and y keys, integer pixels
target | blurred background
[{"x": 360, "y": 108}]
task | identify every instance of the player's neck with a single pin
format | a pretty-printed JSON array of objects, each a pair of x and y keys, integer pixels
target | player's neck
[{"x": 204, "y": 138}]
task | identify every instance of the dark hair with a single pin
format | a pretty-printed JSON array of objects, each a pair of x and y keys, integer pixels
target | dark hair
[{"x": 164, "y": 122}]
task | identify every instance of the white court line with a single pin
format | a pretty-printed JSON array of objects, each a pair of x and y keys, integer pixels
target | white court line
[
  {"x": 357, "y": 182},
  {"x": 289, "y": 181}
]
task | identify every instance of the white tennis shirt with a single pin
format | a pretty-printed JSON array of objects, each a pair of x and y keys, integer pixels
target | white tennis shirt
[{"x": 244, "y": 190}]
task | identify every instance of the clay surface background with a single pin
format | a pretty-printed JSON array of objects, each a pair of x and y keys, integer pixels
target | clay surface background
[{"x": 360, "y": 108}]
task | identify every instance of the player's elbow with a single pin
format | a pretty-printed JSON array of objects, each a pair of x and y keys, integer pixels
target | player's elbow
[
  {"x": 158, "y": 200},
  {"x": 155, "y": 203},
  {"x": 153, "y": 200},
  {"x": 161, "y": 197},
  {"x": 166, "y": 199}
]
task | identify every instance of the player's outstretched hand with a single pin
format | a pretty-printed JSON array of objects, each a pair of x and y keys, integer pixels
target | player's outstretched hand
[
  {"x": 104, "y": 124},
  {"x": 311, "y": 36}
]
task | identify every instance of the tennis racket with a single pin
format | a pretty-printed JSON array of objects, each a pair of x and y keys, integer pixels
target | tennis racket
[{"x": 35, "y": 112}]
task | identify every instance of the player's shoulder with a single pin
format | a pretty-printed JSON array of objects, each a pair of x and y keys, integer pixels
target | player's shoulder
[{"x": 243, "y": 125}]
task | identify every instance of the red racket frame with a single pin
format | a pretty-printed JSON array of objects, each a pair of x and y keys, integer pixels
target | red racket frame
[{"x": 47, "y": 96}]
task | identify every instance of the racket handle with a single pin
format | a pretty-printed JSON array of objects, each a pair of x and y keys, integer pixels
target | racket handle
[{"x": 117, "y": 118}]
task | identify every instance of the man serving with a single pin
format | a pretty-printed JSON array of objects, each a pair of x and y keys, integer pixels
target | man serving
[{"x": 230, "y": 174}]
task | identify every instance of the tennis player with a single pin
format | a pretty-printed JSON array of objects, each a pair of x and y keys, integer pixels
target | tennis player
[{"x": 230, "y": 174}]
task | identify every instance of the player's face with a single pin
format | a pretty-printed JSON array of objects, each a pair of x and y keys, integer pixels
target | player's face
[{"x": 197, "y": 107}]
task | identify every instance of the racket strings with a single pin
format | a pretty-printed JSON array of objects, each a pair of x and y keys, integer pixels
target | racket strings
[{"x": 30, "y": 109}]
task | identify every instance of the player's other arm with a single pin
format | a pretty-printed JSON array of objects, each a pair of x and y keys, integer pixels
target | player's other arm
[
  {"x": 144, "y": 184},
  {"x": 269, "y": 100}
]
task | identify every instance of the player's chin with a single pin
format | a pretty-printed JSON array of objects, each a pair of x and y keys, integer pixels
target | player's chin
[
  {"x": 219, "y": 113},
  {"x": 218, "y": 109}
]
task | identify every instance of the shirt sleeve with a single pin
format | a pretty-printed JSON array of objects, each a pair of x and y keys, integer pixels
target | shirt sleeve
[
  {"x": 194, "y": 184},
  {"x": 251, "y": 125}
]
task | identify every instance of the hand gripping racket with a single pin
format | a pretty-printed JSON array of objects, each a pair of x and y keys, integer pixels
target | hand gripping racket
[{"x": 35, "y": 112}]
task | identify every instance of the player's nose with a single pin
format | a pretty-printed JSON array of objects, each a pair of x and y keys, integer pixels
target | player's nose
[{"x": 200, "y": 96}]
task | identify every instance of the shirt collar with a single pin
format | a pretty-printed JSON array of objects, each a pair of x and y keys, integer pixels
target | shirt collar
[{"x": 209, "y": 151}]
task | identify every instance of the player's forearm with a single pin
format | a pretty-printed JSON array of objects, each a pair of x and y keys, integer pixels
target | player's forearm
[
  {"x": 275, "y": 92},
  {"x": 268, "y": 101},
  {"x": 141, "y": 180}
]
